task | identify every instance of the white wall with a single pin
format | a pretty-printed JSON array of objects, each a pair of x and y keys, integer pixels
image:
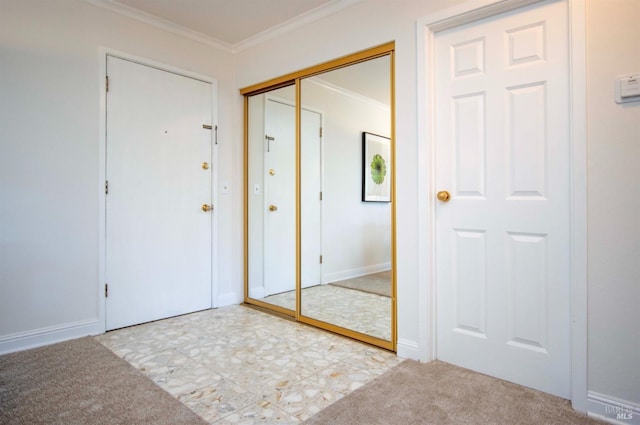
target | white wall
[
  {"x": 50, "y": 80},
  {"x": 356, "y": 235},
  {"x": 613, "y": 34}
]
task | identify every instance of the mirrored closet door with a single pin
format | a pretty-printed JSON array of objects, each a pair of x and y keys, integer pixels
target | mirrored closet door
[{"x": 319, "y": 210}]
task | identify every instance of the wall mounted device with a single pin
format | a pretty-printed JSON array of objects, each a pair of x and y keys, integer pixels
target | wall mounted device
[{"x": 628, "y": 88}]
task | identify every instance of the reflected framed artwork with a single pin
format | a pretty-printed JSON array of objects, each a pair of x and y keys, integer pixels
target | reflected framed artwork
[{"x": 376, "y": 168}]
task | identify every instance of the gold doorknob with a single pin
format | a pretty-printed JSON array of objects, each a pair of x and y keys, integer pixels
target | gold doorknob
[
  {"x": 273, "y": 208},
  {"x": 205, "y": 165},
  {"x": 443, "y": 196},
  {"x": 206, "y": 207}
]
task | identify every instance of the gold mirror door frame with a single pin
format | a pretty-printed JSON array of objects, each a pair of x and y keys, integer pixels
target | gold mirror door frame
[{"x": 295, "y": 81}]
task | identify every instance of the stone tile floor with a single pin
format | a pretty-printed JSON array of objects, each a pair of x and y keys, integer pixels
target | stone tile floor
[{"x": 238, "y": 365}]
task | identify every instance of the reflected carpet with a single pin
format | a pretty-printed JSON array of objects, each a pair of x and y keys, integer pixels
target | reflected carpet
[{"x": 375, "y": 283}]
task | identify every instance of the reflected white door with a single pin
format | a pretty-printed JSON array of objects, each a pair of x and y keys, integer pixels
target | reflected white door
[
  {"x": 280, "y": 223},
  {"x": 280, "y": 198},
  {"x": 158, "y": 242},
  {"x": 502, "y": 240}
]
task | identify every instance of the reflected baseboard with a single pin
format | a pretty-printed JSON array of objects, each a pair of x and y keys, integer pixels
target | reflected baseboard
[{"x": 357, "y": 272}]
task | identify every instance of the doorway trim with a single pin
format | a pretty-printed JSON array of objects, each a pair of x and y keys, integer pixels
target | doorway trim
[
  {"x": 103, "y": 52},
  {"x": 427, "y": 27}
]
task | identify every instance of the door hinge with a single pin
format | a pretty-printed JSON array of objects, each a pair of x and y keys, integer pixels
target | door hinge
[
  {"x": 207, "y": 127},
  {"x": 106, "y": 290},
  {"x": 320, "y": 131},
  {"x": 321, "y": 196},
  {"x": 106, "y": 187},
  {"x": 321, "y": 259},
  {"x": 107, "y": 82},
  {"x": 216, "y": 142}
]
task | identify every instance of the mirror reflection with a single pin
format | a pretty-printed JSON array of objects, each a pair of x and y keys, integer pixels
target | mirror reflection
[
  {"x": 345, "y": 198},
  {"x": 272, "y": 197},
  {"x": 344, "y": 168}
]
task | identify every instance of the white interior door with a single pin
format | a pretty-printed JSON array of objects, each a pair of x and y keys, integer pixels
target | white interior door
[
  {"x": 280, "y": 198},
  {"x": 502, "y": 240},
  {"x": 311, "y": 199},
  {"x": 159, "y": 240}
]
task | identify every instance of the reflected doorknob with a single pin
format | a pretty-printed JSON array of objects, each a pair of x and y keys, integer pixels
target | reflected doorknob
[
  {"x": 443, "y": 196},
  {"x": 206, "y": 207},
  {"x": 273, "y": 208}
]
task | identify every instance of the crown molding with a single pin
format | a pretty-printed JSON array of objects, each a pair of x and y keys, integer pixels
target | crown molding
[
  {"x": 346, "y": 92},
  {"x": 161, "y": 23},
  {"x": 293, "y": 23},
  {"x": 275, "y": 31}
]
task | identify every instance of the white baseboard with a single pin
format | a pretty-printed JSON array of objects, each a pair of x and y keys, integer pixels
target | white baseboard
[
  {"x": 407, "y": 349},
  {"x": 229, "y": 298},
  {"x": 44, "y": 336},
  {"x": 357, "y": 272},
  {"x": 612, "y": 410}
]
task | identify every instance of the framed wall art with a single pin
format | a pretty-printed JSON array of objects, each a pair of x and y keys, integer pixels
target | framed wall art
[{"x": 376, "y": 168}]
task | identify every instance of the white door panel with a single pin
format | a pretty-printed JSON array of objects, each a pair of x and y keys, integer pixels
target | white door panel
[
  {"x": 502, "y": 151},
  {"x": 280, "y": 198},
  {"x": 280, "y": 224},
  {"x": 158, "y": 238}
]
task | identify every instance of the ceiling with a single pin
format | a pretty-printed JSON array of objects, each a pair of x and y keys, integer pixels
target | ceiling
[{"x": 229, "y": 22}]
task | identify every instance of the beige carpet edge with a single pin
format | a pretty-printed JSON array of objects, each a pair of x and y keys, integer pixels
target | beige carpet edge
[
  {"x": 439, "y": 393},
  {"x": 82, "y": 382}
]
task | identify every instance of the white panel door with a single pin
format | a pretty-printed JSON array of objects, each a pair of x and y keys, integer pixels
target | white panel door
[
  {"x": 280, "y": 195},
  {"x": 158, "y": 245},
  {"x": 502, "y": 240},
  {"x": 280, "y": 198}
]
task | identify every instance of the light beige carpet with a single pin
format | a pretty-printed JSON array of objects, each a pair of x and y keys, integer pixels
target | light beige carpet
[
  {"x": 375, "y": 283},
  {"x": 415, "y": 393},
  {"x": 80, "y": 382}
]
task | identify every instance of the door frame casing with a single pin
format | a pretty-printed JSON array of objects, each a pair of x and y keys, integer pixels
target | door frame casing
[
  {"x": 103, "y": 52},
  {"x": 427, "y": 27}
]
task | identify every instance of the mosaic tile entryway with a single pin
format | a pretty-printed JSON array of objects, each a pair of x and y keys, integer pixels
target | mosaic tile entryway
[{"x": 238, "y": 365}]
